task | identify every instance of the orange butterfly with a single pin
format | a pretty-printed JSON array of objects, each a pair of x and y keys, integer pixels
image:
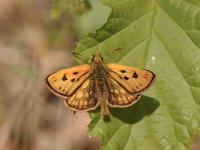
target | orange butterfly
[{"x": 87, "y": 86}]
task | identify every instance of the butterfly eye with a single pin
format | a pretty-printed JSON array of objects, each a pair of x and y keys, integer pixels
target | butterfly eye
[
  {"x": 92, "y": 58},
  {"x": 101, "y": 58}
]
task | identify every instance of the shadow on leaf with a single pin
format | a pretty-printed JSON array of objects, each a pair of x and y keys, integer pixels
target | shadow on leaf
[{"x": 144, "y": 107}]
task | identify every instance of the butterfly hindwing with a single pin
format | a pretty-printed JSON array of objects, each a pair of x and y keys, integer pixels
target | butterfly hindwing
[
  {"x": 65, "y": 82},
  {"x": 118, "y": 96},
  {"x": 133, "y": 79},
  {"x": 84, "y": 98}
]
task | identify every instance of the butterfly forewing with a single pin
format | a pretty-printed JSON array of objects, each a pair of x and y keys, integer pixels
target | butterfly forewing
[
  {"x": 84, "y": 98},
  {"x": 133, "y": 79},
  {"x": 65, "y": 82},
  {"x": 118, "y": 96}
]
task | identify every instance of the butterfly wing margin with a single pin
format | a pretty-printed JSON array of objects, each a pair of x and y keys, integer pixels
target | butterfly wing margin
[
  {"x": 118, "y": 96},
  {"x": 84, "y": 98},
  {"x": 133, "y": 79},
  {"x": 65, "y": 82}
]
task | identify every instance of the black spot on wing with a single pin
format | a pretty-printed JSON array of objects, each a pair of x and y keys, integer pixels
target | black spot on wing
[
  {"x": 123, "y": 71},
  {"x": 135, "y": 75},
  {"x": 126, "y": 78},
  {"x": 75, "y": 73},
  {"x": 64, "y": 78},
  {"x": 72, "y": 80}
]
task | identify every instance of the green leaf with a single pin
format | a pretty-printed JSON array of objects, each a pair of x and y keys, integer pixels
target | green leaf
[{"x": 164, "y": 37}]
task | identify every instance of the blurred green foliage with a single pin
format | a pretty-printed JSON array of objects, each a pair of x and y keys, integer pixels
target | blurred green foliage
[{"x": 74, "y": 6}]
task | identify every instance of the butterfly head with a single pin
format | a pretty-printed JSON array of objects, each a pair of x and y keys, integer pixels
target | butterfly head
[{"x": 97, "y": 59}]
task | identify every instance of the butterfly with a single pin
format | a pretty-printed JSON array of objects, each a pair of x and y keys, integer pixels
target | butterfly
[{"x": 87, "y": 86}]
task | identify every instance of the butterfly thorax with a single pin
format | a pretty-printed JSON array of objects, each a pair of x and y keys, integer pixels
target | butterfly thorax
[
  {"x": 98, "y": 68},
  {"x": 98, "y": 71}
]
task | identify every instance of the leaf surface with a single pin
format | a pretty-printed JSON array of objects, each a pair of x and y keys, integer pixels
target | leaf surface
[{"x": 162, "y": 36}]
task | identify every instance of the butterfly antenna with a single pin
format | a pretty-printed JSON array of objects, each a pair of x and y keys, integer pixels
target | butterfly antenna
[
  {"x": 113, "y": 51},
  {"x": 116, "y": 50},
  {"x": 77, "y": 55}
]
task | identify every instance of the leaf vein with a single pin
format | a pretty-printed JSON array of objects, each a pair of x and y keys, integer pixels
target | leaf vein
[{"x": 178, "y": 25}]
